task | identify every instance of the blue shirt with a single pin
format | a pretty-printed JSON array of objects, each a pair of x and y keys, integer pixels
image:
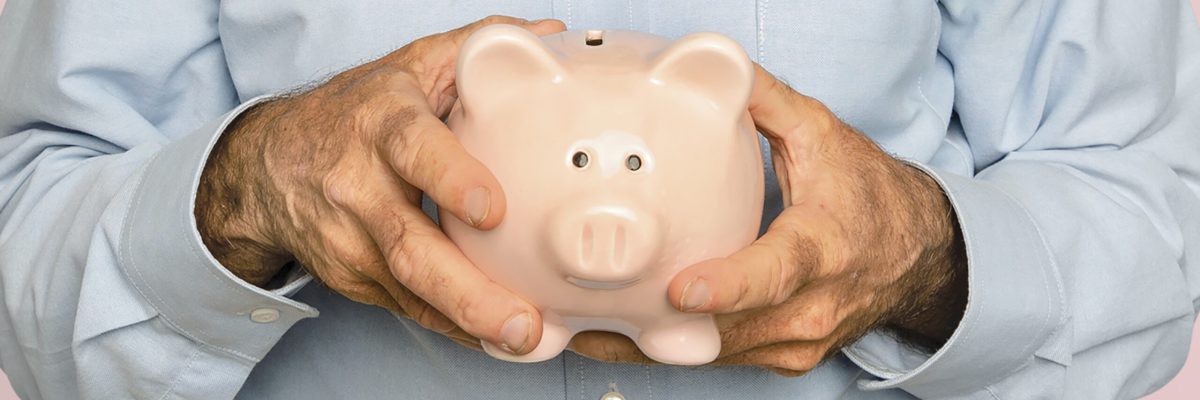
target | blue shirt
[{"x": 1065, "y": 133}]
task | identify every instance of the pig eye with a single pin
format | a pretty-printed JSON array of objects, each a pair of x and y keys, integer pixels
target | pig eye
[
  {"x": 580, "y": 159},
  {"x": 633, "y": 162}
]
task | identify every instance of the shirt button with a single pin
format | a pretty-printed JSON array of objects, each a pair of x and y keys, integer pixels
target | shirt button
[
  {"x": 264, "y": 315},
  {"x": 612, "y": 396}
]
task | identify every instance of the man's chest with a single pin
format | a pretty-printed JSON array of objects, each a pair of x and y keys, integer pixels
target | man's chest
[{"x": 873, "y": 63}]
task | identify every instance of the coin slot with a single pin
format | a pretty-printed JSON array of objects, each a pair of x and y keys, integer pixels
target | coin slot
[{"x": 594, "y": 38}]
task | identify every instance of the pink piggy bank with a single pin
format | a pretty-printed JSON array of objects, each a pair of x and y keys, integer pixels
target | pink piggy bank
[{"x": 624, "y": 158}]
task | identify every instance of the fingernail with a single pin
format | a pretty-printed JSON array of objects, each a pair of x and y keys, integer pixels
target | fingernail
[
  {"x": 478, "y": 203},
  {"x": 695, "y": 295},
  {"x": 515, "y": 333}
]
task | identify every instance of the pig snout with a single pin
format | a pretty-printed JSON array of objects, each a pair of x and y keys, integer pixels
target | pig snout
[{"x": 605, "y": 247}]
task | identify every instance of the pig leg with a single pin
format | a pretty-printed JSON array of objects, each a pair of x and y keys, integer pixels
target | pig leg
[
  {"x": 554, "y": 341},
  {"x": 685, "y": 340}
]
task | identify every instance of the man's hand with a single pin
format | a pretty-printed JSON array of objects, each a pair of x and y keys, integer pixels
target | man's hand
[
  {"x": 864, "y": 242},
  {"x": 332, "y": 178}
]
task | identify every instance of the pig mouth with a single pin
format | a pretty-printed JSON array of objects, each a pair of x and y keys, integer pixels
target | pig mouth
[{"x": 602, "y": 285}]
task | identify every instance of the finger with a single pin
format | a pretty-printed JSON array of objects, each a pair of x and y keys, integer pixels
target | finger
[
  {"x": 540, "y": 27},
  {"x": 766, "y": 273},
  {"x": 367, "y": 292},
  {"x": 428, "y": 264},
  {"x": 427, "y": 155},
  {"x": 787, "y": 373},
  {"x": 470, "y": 344},
  {"x": 416, "y": 308},
  {"x": 356, "y": 268},
  {"x": 798, "y": 357},
  {"x": 433, "y": 268},
  {"x": 458, "y": 333},
  {"x": 546, "y": 27},
  {"x": 811, "y": 315},
  {"x": 779, "y": 111},
  {"x": 608, "y": 347}
]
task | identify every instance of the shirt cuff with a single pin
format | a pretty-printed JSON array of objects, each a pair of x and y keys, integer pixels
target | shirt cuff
[
  {"x": 168, "y": 264},
  {"x": 1015, "y": 303}
]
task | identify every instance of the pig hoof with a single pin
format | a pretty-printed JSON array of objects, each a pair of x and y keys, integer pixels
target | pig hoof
[
  {"x": 554, "y": 341},
  {"x": 691, "y": 342}
]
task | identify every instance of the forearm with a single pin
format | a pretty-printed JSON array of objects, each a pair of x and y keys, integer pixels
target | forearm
[
  {"x": 99, "y": 156},
  {"x": 142, "y": 293},
  {"x": 1075, "y": 197},
  {"x": 1100, "y": 234}
]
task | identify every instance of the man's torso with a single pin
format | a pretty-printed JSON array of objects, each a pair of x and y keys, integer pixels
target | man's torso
[{"x": 876, "y": 65}]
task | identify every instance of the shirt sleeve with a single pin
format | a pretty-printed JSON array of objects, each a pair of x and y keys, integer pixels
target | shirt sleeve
[
  {"x": 1082, "y": 219},
  {"x": 108, "y": 111}
]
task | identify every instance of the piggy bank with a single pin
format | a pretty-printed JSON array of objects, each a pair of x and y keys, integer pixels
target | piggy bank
[{"x": 624, "y": 158}]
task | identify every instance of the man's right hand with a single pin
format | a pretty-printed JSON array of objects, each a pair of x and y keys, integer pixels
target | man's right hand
[{"x": 332, "y": 178}]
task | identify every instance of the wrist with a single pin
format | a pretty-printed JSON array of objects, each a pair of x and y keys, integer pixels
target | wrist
[
  {"x": 230, "y": 207},
  {"x": 936, "y": 285}
]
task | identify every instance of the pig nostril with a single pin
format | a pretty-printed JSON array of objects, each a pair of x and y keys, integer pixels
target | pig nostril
[
  {"x": 633, "y": 162},
  {"x": 580, "y": 159}
]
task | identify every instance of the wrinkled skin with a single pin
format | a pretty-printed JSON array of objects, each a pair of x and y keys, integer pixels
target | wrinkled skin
[
  {"x": 864, "y": 242},
  {"x": 332, "y": 178}
]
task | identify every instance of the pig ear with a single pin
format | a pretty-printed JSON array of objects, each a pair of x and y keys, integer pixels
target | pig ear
[
  {"x": 499, "y": 62},
  {"x": 711, "y": 65}
]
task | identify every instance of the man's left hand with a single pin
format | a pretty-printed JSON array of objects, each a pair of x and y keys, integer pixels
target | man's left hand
[{"x": 864, "y": 242}]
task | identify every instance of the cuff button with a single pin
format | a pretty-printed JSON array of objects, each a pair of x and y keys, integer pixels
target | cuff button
[{"x": 264, "y": 315}]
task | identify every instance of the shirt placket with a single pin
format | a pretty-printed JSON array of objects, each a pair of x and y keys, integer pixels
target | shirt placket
[{"x": 587, "y": 379}]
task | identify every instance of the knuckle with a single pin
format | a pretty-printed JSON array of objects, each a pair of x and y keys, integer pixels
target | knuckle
[
  {"x": 403, "y": 119},
  {"x": 376, "y": 115},
  {"x": 413, "y": 157},
  {"x": 744, "y": 296},
  {"x": 410, "y": 57},
  {"x": 802, "y": 359},
  {"x": 822, "y": 325},
  {"x": 819, "y": 320},
  {"x": 387, "y": 75},
  {"x": 356, "y": 255},
  {"x": 380, "y": 213},
  {"x": 495, "y": 19},
  {"x": 782, "y": 273},
  {"x": 340, "y": 186},
  {"x": 796, "y": 264},
  {"x": 836, "y": 255},
  {"x": 468, "y": 315},
  {"x": 427, "y": 316},
  {"x": 355, "y": 289},
  {"x": 367, "y": 264},
  {"x": 400, "y": 253},
  {"x": 411, "y": 149},
  {"x": 781, "y": 91},
  {"x": 361, "y": 117}
]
